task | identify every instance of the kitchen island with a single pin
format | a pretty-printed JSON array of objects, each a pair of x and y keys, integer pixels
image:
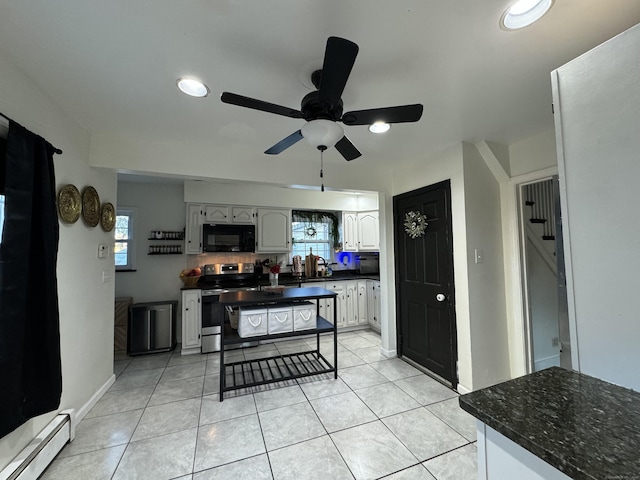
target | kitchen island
[
  {"x": 250, "y": 373},
  {"x": 556, "y": 424}
]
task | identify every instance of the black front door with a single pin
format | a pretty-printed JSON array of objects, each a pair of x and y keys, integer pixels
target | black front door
[{"x": 424, "y": 281}]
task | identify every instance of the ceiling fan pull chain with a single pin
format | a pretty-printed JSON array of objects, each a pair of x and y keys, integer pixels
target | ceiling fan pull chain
[{"x": 321, "y": 170}]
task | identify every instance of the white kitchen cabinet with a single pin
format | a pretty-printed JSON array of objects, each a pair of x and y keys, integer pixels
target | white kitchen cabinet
[
  {"x": 368, "y": 231},
  {"x": 193, "y": 231},
  {"x": 326, "y": 305},
  {"x": 358, "y": 302},
  {"x": 360, "y": 231},
  {"x": 326, "y": 309},
  {"x": 351, "y": 303},
  {"x": 216, "y": 214},
  {"x": 350, "y": 231},
  {"x": 363, "y": 306},
  {"x": 373, "y": 303},
  {"x": 245, "y": 215},
  {"x": 191, "y": 321},
  {"x": 339, "y": 288},
  {"x": 273, "y": 230}
]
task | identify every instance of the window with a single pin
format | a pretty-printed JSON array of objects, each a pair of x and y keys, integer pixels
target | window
[
  {"x": 315, "y": 230},
  {"x": 124, "y": 249}
]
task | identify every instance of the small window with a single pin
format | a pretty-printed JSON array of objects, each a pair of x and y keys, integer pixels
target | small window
[
  {"x": 124, "y": 249},
  {"x": 314, "y": 230}
]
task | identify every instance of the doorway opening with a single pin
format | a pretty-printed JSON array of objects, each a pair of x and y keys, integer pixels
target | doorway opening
[{"x": 547, "y": 336}]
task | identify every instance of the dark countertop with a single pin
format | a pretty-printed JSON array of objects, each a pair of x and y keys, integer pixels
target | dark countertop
[
  {"x": 264, "y": 297},
  {"x": 337, "y": 276},
  {"x": 290, "y": 280},
  {"x": 583, "y": 426}
]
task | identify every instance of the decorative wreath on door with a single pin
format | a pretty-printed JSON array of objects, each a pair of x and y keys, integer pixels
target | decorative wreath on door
[{"x": 415, "y": 224}]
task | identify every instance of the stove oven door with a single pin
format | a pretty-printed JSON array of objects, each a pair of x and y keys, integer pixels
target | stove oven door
[{"x": 212, "y": 320}]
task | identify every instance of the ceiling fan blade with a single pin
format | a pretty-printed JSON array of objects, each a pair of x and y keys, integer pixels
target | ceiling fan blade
[
  {"x": 347, "y": 149},
  {"x": 400, "y": 114},
  {"x": 282, "y": 145},
  {"x": 339, "y": 57},
  {"x": 248, "y": 102}
]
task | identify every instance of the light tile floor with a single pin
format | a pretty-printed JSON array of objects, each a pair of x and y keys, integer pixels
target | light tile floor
[{"x": 381, "y": 418}]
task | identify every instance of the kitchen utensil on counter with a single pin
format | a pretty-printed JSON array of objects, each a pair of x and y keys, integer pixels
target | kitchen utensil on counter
[
  {"x": 298, "y": 269},
  {"x": 311, "y": 265}
]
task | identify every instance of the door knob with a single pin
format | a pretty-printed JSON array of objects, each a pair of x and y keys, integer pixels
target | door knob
[{"x": 441, "y": 297}]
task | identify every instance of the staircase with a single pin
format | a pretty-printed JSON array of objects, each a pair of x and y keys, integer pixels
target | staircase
[
  {"x": 540, "y": 229},
  {"x": 539, "y": 198}
]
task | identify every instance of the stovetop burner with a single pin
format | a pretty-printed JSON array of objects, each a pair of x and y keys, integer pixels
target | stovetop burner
[{"x": 228, "y": 275}]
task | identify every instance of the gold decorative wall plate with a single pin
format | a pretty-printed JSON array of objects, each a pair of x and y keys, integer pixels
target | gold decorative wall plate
[
  {"x": 69, "y": 204},
  {"x": 90, "y": 206},
  {"x": 108, "y": 217}
]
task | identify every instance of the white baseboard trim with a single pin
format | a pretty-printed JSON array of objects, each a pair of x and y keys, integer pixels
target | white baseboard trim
[
  {"x": 462, "y": 390},
  {"x": 542, "y": 363},
  {"x": 82, "y": 411},
  {"x": 389, "y": 353}
]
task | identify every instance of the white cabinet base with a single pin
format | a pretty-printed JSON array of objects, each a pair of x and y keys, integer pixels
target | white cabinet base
[{"x": 502, "y": 459}]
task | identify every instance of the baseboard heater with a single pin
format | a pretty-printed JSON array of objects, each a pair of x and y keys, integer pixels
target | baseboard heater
[{"x": 36, "y": 457}]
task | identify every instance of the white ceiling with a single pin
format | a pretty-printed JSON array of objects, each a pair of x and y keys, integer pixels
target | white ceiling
[{"x": 112, "y": 65}]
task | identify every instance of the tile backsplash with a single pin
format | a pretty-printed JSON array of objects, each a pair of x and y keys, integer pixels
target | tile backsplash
[{"x": 282, "y": 258}]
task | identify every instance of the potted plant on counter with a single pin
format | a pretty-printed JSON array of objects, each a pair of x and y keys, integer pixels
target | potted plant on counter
[{"x": 273, "y": 275}]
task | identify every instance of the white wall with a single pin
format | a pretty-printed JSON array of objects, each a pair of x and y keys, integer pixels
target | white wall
[
  {"x": 446, "y": 165},
  {"x": 86, "y": 303},
  {"x": 158, "y": 207},
  {"x": 597, "y": 127},
  {"x": 199, "y": 160},
  {"x": 543, "y": 302},
  {"x": 276, "y": 196},
  {"x": 483, "y": 345},
  {"x": 533, "y": 153},
  {"x": 487, "y": 303}
]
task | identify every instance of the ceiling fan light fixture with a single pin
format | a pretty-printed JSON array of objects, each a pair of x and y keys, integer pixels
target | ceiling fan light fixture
[
  {"x": 379, "y": 127},
  {"x": 192, "y": 87},
  {"x": 523, "y": 13},
  {"x": 322, "y": 133}
]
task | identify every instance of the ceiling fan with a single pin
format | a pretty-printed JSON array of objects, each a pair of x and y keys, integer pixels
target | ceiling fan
[{"x": 322, "y": 108}]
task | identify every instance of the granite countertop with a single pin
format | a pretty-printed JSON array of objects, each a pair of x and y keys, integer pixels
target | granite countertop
[
  {"x": 288, "y": 279},
  {"x": 583, "y": 426}
]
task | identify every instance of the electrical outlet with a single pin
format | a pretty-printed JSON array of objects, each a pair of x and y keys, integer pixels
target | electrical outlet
[{"x": 555, "y": 342}]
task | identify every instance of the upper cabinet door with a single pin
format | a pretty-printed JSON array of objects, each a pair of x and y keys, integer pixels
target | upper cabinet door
[
  {"x": 368, "y": 231},
  {"x": 350, "y": 231},
  {"x": 273, "y": 230},
  {"x": 193, "y": 232},
  {"x": 216, "y": 214},
  {"x": 244, "y": 215}
]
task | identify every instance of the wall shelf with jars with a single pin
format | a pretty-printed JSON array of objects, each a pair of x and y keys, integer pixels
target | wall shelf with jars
[{"x": 166, "y": 249}]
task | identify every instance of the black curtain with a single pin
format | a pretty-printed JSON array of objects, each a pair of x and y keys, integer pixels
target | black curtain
[{"x": 30, "y": 368}]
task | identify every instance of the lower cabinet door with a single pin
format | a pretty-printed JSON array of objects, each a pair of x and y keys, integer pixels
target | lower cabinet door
[{"x": 191, "y": 319}]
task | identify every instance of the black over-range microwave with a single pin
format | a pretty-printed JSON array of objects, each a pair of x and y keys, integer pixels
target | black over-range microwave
[{"x": 228, "y": 238}]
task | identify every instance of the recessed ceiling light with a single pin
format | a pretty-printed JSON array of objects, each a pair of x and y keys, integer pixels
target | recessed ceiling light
[
  {"x": 192, "y": 87},
  {"x": 379, "y": 127},
  {"x": 523, "y": 13}
]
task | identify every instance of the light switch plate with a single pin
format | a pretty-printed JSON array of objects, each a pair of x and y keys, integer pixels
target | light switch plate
[
  {"x": 103, "y": 250},
  {"x": 479, "y": 255}
]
